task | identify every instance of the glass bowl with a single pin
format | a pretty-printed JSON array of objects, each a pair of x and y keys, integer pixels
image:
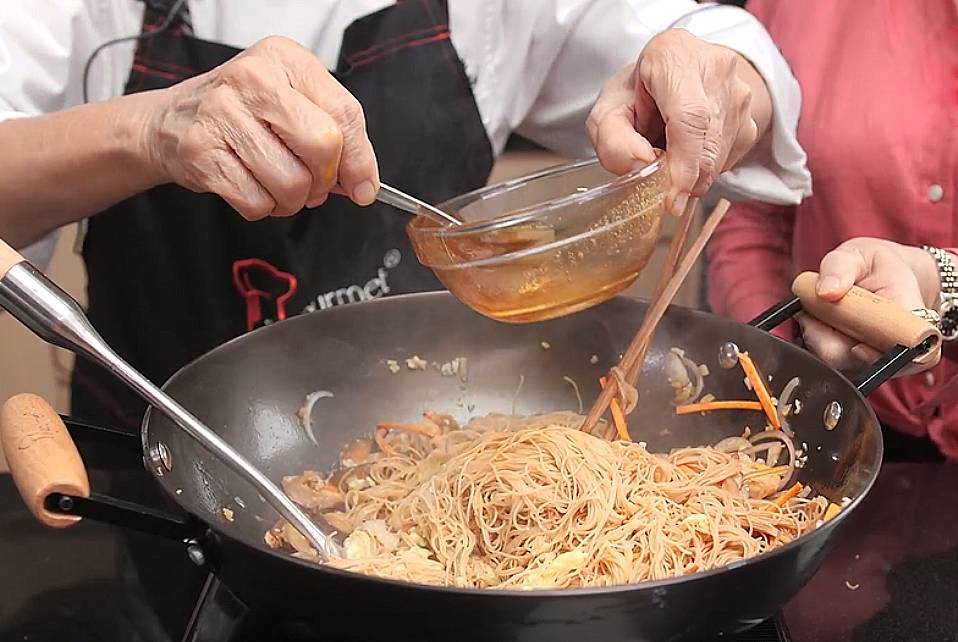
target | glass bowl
[{"x": 547, "y": 244}]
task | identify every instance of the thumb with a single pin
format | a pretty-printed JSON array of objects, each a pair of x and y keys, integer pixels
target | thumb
[
  {"x": 839, "y": 271},
  {"x": 612, "y": 127},
  {"x": 619, "y": 147}
]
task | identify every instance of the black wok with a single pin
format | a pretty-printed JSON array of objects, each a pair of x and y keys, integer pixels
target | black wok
[{"x": 249, "y": 391}]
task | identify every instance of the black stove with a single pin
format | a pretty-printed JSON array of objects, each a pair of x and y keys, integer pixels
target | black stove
[
  {"x": 892, "y": 575},
  {"x": 220, "y": 617}
]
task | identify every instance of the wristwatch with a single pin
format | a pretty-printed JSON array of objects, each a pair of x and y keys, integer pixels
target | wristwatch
[{"x": 948, "y": 298}]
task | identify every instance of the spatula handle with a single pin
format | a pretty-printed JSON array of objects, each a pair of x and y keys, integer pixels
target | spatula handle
[{"x": 8, "y": 258}]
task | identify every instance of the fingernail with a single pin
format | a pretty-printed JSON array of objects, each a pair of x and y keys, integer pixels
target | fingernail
[
  {"x": 827, "y": 284},
  {"x": 679, "y": 202},
  {"x": 860, "y": 353},
  {"x": 365, "y": 193},
  {"x": 317, "y": 201}
]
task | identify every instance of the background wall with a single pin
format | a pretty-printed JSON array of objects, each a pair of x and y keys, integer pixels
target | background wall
[{"x": 29, "y": 365}]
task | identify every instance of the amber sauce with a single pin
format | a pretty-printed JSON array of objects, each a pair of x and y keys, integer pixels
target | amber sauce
[{"x": 620, "y": 238}]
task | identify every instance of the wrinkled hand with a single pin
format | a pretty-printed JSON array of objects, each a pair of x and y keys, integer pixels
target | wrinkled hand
[
  {"x": 270, "y": 131},
  {"x": 906, "y": 275},
  {"x": 709, "y": 102}
]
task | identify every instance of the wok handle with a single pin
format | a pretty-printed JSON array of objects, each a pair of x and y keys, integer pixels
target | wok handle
[
  {"x": 869, "y": 318},
  {"x": 52, "y": 480},
  {"x": 42, "y": 457}
]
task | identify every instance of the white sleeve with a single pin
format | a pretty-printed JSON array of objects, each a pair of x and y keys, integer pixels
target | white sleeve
[
  {"x": 44, "y": 45},
  {"x": 609, "y": 34}
]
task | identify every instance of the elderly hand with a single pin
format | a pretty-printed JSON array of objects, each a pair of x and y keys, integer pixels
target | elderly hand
[
  {"x": 270, "y": 131},
  {"x": 708, "y": 100},
  {"x": 906, "y": 275}
]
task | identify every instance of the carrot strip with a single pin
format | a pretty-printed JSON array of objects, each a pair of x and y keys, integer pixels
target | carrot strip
[
  {"x": 831, "y": 511},
  {"x": 758, "y": 386},
  {"x": 690, "y": 408},
  {"x": 398, "y": 425},
  {"x": 777, "y": 470},
  {"x": 787, "y": 495},
  {"x": 434, "y": 417},
  {"x": 380, "y": 439},
  {"x": 618, "y": 419}
]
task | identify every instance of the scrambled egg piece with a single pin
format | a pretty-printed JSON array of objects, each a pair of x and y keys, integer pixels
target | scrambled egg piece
[
  {"x": 416, "y": 363},
  {"x": 698, "y": 522},
  {"x": 551, "y": 571},
  {"x": 359, "y": 545}
]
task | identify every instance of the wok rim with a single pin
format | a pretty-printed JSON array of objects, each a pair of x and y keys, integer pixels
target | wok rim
[{"x": 826, "y": 530}]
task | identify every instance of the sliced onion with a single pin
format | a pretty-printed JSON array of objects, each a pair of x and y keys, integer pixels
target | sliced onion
[
  {"x": 773, "y": 454},
  {"x": 732, "y": 445},
  {"x": 515, "y": 397},
  {"x": 783, "y": 402},
  {"x": 306, "y": 412},
  {"x": 774, "y": 439},
  {"x": 685, "y": 375},
  {"x": 628, "y": 395},
  {"x": 575, "y": 387},
  {"x": 675, "y": 370}
]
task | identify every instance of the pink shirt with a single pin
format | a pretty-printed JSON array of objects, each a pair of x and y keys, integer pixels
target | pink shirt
[{"x": 879, "y": 122}]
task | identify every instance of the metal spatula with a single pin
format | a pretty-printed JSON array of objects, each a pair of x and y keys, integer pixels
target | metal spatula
[{"x": 54, "y": 316}]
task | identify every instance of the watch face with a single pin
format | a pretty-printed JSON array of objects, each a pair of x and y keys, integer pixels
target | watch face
[{"x": 949, "y": 319}]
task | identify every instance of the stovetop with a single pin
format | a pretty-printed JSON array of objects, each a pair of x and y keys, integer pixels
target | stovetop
[{"x": 893, "y": 575}]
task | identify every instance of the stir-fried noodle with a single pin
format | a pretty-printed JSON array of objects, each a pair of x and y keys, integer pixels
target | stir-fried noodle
[{"x": 532, "y": 502}]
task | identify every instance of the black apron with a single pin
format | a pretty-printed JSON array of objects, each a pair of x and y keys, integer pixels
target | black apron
[{"x": 173, "y": 274}]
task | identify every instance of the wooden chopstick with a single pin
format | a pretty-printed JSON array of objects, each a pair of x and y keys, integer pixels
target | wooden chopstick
[
  {"x": 630, "y": 363},
  {"x": 671, "y": 263},
  {"x": 668, "y": 269}
]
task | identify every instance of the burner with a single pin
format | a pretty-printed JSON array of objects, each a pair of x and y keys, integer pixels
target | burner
[{"x": 220, "y": 617}]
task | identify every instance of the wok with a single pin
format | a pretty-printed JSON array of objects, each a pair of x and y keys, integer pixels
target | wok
[{"x": 250, "y": 389}]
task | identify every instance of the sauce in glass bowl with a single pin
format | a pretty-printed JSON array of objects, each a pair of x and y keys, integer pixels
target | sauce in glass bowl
[{"x": 548, "y": 244}]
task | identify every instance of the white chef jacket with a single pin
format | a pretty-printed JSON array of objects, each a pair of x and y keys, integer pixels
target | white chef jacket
[{"x": 537, "y": 66}]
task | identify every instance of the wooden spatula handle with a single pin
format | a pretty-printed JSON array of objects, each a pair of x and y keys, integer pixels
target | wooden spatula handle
[
  {"x": 42, "y": 456},
  {"x": 8, "y": 258},
  {"x": 866, "y": 317}
]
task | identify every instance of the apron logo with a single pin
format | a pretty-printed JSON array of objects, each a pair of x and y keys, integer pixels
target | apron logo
[
  {"x": 374, "y": 288},
  {"x": 257, "y": 282}
]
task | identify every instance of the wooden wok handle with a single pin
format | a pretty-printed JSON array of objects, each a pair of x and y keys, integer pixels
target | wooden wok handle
[
  {"x": 8, "y": 258},
  {"x": 867, "y": 317},
  {"x": 42, "y": 456}
]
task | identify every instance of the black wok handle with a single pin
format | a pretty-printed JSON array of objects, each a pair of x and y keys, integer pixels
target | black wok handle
[
  {"x": 866, "y": 317},
  {"x": 52, "y": 479}
]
